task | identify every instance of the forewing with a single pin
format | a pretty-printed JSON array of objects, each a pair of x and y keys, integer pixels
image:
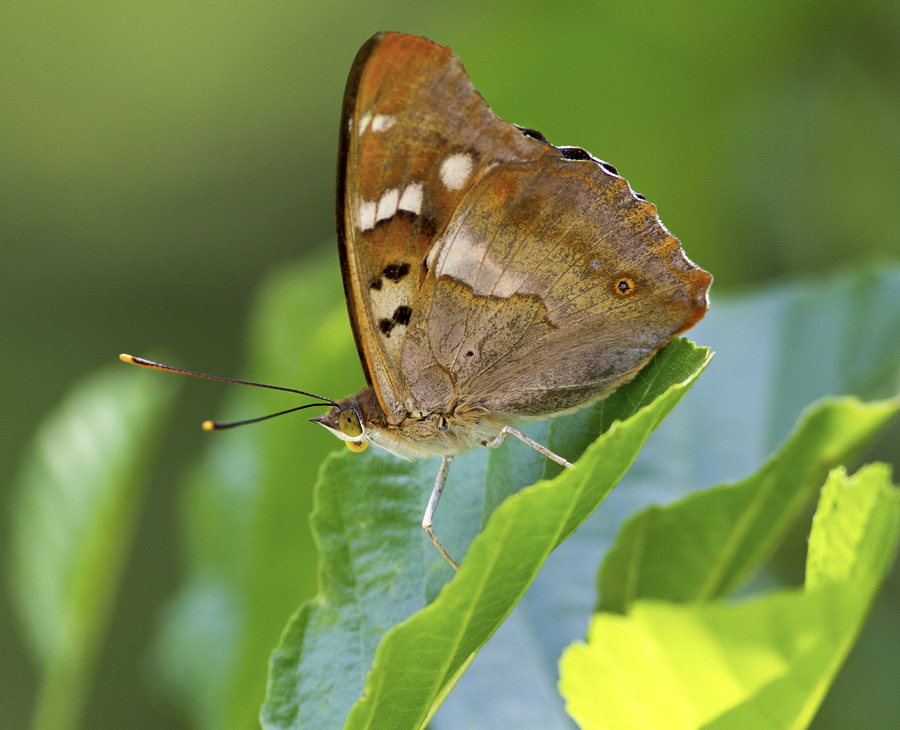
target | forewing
[
  {"x": 415, "y": 138},
  {"x": 553, "y": 284}
]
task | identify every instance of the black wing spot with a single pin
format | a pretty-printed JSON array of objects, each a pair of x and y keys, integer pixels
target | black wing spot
[
  {"x": 533, "y": 133},
  {"x": 609, "y": 168},
  {"x": 376, "y": 285},
  {"x": 469, "y": 353},
  {"x": 395, "y": 272},
  {"x": 575, "y": 153},
  {"x": 638, "y": 195},
  {"x": 401, "y": 315}
]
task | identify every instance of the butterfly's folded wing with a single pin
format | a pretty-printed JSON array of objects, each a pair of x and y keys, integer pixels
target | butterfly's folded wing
[
  {"x": 553, "y": 284},
  {"x": 415, "y": 136},
  {"x": 483, "y": 265}
]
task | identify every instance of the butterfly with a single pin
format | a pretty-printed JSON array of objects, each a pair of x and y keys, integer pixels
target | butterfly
[{"x": 491, "y": 277}]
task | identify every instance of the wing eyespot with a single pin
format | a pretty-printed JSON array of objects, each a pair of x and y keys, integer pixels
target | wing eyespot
[{"x": 623, "y": 286}]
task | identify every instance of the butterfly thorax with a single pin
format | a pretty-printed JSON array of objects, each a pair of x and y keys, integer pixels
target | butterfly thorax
[{"x": 457, "y": 430}]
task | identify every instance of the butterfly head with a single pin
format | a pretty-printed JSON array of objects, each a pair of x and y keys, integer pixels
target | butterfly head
[
  {"x": 346, "y": 421},
  {"x": 360, "y": 419}
]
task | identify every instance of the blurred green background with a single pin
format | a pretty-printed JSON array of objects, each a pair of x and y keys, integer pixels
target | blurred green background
[{"x": 157, "y": 160}]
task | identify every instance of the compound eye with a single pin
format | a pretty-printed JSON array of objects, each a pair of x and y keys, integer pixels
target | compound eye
[{"x": 349, "y": 423}]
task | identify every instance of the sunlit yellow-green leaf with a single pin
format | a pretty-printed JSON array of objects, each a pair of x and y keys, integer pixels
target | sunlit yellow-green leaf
[{"x": 763, "y": 662}]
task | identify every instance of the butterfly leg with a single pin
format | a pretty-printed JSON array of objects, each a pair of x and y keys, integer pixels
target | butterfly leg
[
  {"x": 531, "y": 442},
  {"x": 432, "y": 506}
]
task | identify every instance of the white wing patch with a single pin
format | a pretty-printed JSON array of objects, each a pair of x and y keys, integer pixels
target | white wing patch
[
  {"x": 383, "y": 122},
  {"x": 365, "y": 214},
  {"x": 465, "y": 257},
  {"x": 459, "y": 257},
  {"x": 363, "y": 124},
  {"x": 411, "y": 200},
  {"x": 387, "y": 205},
  {"x": 375, "y": 123},
  {"x": 371, "y": 212},
  {"x": 456, "y": 170}
]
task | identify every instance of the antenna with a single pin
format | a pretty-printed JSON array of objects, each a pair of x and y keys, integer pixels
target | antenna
[{"x": 212, "y": 425}]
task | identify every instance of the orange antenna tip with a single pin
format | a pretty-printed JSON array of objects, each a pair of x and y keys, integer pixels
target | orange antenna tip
[
  {"x": 126, "y": 358},
  {"x": 208, "y": 426}
]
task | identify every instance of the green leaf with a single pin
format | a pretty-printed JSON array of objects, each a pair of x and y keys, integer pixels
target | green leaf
[
  {"x": 760, "y": 663},
  {"x": 251, "y": 558},
  {"x": 704, "y": 546},
  {"x": 377, "y": 566},
  {"x": 72, "y": 520},
  {"x": 854, "y": 530},
  {"x": 777, "y": 350}
]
